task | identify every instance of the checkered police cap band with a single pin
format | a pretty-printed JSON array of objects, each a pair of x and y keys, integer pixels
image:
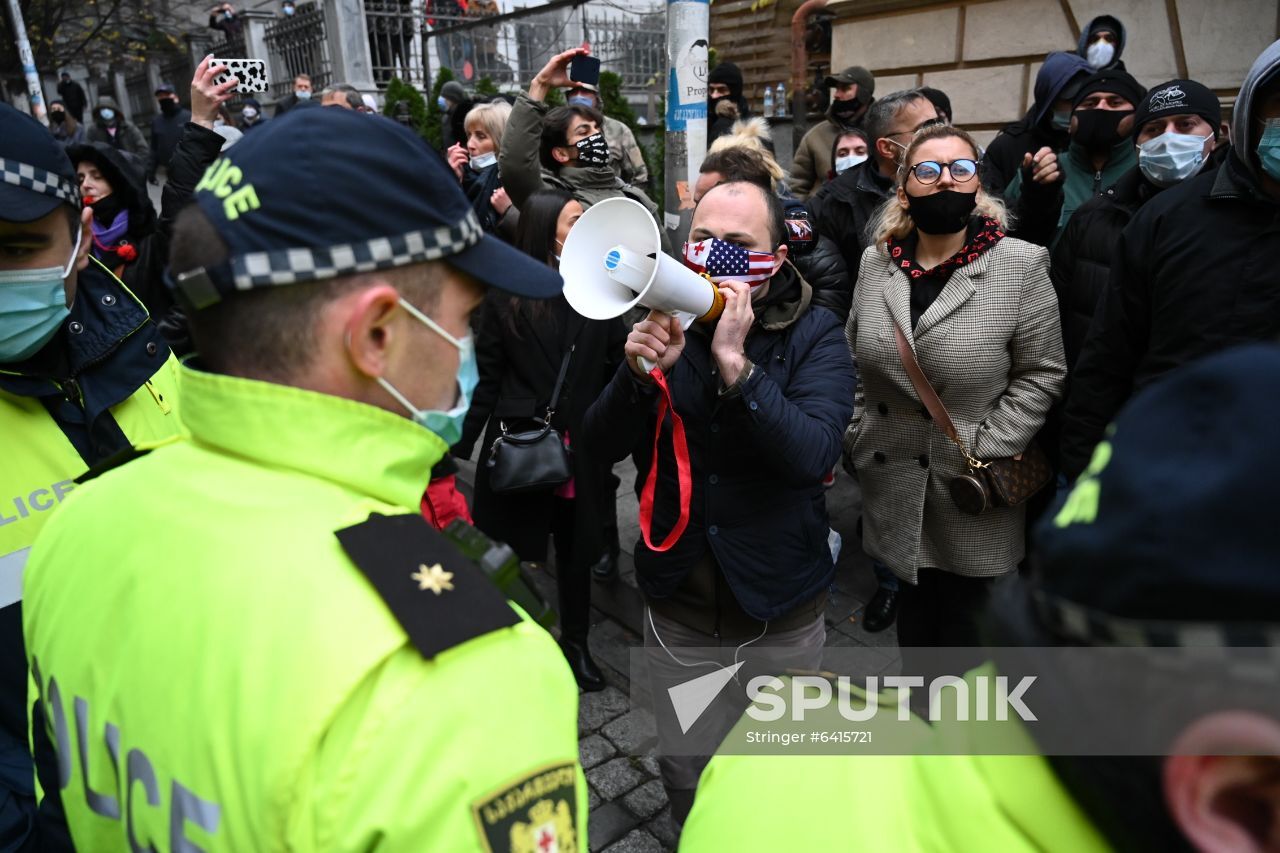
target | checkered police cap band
[
  {"x": 254, "y": 270},
  {"x": 1092, "y": 627},
  {"x": 37, "y": 180}
]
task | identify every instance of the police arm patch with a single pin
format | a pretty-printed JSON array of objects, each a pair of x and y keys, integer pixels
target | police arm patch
[
  {"x": 441, "y": 598},
  {"x": 536, "y": 813}
]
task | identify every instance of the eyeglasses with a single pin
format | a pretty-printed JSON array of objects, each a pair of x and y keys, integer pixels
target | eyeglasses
[{"x": 929, "y": 171}]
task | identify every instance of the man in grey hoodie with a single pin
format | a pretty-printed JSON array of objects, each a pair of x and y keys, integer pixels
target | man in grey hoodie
[
  {"x": 112, "y": 128},
  {"x": 1193, "y": 273}
]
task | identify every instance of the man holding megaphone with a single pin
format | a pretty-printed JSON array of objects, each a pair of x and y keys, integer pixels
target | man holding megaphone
[{"x": 733, "y": 521}]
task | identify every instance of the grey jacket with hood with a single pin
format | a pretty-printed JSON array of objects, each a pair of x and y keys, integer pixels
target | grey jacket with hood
[
  {"x": 127, "y": 136},
  {"x": 1193, "y": 274}
]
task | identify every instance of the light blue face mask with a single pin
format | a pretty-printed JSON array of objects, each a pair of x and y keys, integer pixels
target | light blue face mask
[
  {"x": 582, "y": 101},
  {"x": 107, "y": 113},
  {"x": 33, "y": 304},
  {"x": 302, "y": 94},
  {"x": 442, "y": 103},
  {"x": 1269, "y": 148},
  {"x": 447, "y": 425},
  {"x": 1062, "y": 120}
]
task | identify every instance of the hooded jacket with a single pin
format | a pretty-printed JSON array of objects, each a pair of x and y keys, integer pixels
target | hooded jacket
[
  {"x": 127, "y": 137},
  {"x": 1003, "y": 158},
  {"x": 1109, "y": 22},
  {"x": 149, "y": 234},
  {"x": 1193, "y": 274},
  {"x": 812, "y": 162}
]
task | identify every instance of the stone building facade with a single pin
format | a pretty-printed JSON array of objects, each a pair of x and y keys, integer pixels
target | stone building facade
[{"x": 985, "y": 53}]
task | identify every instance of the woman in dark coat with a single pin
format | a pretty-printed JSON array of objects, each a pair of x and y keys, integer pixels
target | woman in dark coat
[{"x": 520, "y": 347}]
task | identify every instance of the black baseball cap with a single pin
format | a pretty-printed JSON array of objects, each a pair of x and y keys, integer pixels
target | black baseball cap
[
  {"x": 165, "y": 89},
  {"x": 36, "y": 175},
  {"x": 363, "y": 194}
]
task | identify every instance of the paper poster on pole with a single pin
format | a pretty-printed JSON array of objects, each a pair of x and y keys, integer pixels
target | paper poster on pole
[{"x": 687, "y": 22}]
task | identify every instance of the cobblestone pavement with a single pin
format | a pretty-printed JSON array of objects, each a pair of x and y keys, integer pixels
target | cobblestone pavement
[{"x": 629, "y": 810}]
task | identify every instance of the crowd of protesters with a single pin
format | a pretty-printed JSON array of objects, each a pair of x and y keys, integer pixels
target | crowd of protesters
[{"x": 901, "y": 303}]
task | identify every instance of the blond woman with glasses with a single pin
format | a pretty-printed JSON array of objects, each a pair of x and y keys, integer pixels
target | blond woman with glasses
[{"x": 977, "y": 313}]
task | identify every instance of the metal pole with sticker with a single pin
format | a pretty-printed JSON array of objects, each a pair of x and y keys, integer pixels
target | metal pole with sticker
[{"x": 688, "y": 23}]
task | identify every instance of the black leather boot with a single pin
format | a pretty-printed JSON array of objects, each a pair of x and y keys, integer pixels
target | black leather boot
[
  {"x": 882, "y": 610},
  {"x": 585, "y": 670}
]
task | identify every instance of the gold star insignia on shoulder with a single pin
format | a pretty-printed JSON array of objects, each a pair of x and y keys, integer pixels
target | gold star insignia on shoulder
[{"x": 435, "y": 578}]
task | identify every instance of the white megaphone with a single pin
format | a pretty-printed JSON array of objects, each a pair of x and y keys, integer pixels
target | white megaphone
[{"x": 613, "y": 261}]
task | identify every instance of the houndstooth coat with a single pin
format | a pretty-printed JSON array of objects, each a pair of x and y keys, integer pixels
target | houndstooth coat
[{"x": 991, "y": 346}]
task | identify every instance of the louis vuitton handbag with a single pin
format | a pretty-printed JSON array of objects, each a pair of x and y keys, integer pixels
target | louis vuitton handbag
[
  {"x": 533, "y": 460},
  {"x": 992, "y": 483}
]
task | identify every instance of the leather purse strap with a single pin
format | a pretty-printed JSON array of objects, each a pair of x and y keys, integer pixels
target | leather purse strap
[
  {"x": 923, "y": 389},
  {"x": 555, "y": 395}
]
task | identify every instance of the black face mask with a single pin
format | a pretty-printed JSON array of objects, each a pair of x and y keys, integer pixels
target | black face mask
[
  {"x": 168, "y": 107},
  {"x": 1098, "y": 130},
  {"x": 843, "y": 111},
  {"x": 593, "y": 151},
  {"x": 107, "y": 208},
  {"x": 57, "y": 116},
  {"x": 943, "y": 212}
]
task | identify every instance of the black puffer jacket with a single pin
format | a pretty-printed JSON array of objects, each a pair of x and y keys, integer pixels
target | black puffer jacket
[
  {"x": 843, "y": 209},
  {"x": 818, "y": 260}
]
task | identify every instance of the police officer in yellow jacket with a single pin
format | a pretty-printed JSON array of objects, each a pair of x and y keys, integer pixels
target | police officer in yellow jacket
[
  {"x": 1155, "y": 580},
  {"x": 271, "y": 649},
  {"x": 83, "y": 375}
]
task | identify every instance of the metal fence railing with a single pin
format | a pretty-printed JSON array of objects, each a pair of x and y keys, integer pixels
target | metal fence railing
[
  {"x": 413, "y": 41},
  {"x": 298, "y": 45}
]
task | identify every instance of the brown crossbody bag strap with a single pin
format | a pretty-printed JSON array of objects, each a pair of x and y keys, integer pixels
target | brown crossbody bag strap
[{"x": 929, "y": 397}]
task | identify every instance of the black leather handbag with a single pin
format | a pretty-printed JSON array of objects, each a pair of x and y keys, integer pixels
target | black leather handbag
[{"x": 533, "y": 460}]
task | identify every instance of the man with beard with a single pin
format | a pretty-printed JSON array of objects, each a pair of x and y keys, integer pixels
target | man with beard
[
  {"x": 1048, "y": 189},
  {"x": 851, "y": 94}
]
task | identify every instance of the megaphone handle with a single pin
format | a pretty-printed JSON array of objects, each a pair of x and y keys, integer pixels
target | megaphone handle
[
  {"x": 684, "y": 471},
  {"x": 645, "y": 364}
]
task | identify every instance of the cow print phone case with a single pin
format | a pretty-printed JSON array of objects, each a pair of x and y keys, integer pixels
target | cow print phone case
[{"x": 252, "y": 74}]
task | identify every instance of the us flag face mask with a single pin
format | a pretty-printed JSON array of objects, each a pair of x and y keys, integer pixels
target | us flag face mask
[{"x": 721, "y": 261}]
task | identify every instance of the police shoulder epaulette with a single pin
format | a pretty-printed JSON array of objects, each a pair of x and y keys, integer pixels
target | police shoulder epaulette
[{"x": 439, "y": 596}]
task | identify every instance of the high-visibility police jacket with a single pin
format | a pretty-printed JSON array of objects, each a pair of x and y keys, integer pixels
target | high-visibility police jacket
[
  {"x": 106, "y": 381},
  {"x": 917, "y": 801},
  {"x": 234, "y": 680}
]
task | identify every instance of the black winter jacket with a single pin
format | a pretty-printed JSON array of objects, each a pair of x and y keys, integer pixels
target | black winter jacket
[
  {"x": 1082, "y": 259},
  {"x": 1193, "y": 274},
  {"x": 166, "y": 131},
  {"x": 758, "y": 452},
  {"x": 843, "y": 209},
  {"x": 818, "y": 260},
  {"x": 1003, "y": 157},
  {"x": 519, "y": 354}
]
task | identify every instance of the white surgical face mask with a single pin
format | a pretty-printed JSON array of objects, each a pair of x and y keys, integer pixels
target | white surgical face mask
[
  {"x": 483, "y": 161},
  {"x": 1171, "y": 157},
  {"x": 848, "y": 161},
  {"x": 250, "y": 113},
  {"x": 1100, "y": 54}
]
